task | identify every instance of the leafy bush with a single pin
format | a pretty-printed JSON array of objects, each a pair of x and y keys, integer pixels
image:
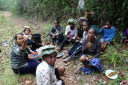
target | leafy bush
[
  {"x": 116, "y": 54},
  {"x": 116, "y": 10}
]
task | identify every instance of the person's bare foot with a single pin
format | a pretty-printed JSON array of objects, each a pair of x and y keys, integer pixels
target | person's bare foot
[
  {"x": 62, "y": 78},
  {"x": 53, "y": 43},
  {"x": 124, "y": 82},
  {"x": 43, "y": 43},
  {"x": 67, "y": 55}
]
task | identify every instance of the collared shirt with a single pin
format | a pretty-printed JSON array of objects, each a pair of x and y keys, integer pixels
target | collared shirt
[
  {"x": 17, "y": 57},
  {"x": 73, "y": 32},
  {"x": 94, "y": 50},
  {"x": 45, "y": 75}
]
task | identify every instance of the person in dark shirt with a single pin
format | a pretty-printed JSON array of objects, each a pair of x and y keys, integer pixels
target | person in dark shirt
[
  {"x": 91, "y": 48},
  {"x": 56, "y": 33},
  {"x": 18, "y": 56}
]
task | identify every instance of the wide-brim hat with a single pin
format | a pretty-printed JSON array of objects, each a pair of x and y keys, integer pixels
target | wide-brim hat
[
  {"x": 46, "y": 50},
  {"x": 72, "y": 21}
]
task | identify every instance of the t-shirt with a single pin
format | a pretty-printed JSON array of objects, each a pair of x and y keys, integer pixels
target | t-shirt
[
  {"x": 94, "y": 50},
  {"x": 45, "y": 75},
  {"x": 73, "y": 32}
]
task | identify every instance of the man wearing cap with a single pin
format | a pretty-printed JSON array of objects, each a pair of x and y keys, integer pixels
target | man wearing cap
[{"x": 46, "y": 74}]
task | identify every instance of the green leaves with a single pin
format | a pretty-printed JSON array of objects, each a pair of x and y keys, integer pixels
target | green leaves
[
  {"x": 116, "y": 55},
  {"x": 124, "y": 4}
]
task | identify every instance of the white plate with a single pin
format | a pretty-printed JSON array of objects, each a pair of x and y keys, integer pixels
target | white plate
[{"x": 108, "y": 72}]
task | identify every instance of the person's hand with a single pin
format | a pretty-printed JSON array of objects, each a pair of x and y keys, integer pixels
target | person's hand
[
  {"x": 89, "y": 59},
  {"x": 87, "y": 46},
  {"x": 25, "y": 40},
  {"x": 32, "y": 52},
  {"x": 30, "y": 33},
  {"x": 69, "y": 32},
  {"x": 103, "y": 27},
  {"x": 77, "y": 40},
  {"x": 53, "y": 36},
  {"x": 69, "y": 40},
  {"x": 102, "y": 41},
  {"x": 124, "y": 82}
]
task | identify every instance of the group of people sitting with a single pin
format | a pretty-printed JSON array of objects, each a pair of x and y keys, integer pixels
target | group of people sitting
[{"x": 84, "y": 39}]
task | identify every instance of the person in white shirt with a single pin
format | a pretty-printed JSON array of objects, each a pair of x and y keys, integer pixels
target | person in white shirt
[
  {"x": 70, "y": 32},
  {"x": 77, "y": 47},
  {"x": 46, "y": 74}
]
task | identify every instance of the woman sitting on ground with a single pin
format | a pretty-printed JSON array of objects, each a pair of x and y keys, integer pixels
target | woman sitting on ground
[
  {"x": 27, "y": 33},
  {"x": 91, "y": 48},
  {"x": 70, "y": 32},
  {"x": 108, "y": 32},
  {"x": 46, "y": 74},
  {"x": 56, "y": 33},
  {"x": 77, "y": 47},
  {"x": 19, "y": 62}
]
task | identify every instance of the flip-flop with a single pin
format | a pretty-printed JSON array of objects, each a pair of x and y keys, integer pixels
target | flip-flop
[
  {"x": 59, "y": 55},
  {"x": 64, "y": 57}
]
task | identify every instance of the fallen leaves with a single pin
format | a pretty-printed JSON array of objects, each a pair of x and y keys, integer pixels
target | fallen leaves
[
  {"x": 68, "y": 63},
  {"x": 28, "y": 81}
]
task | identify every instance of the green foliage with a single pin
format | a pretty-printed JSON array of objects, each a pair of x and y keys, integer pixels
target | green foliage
[
  {"x": 116, "y": 55},
  {"x": 44, "y": 9},
  {"x": 5, "y": 4},
  {"x": 116, "y": 10}
]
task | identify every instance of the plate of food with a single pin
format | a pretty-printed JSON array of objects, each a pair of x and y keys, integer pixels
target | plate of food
[{"x": 111, "y": 74}]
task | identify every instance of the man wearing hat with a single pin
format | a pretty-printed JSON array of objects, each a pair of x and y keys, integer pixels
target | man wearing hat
[
  {"x": 46, "y": 74},
  {"x": 70, "y": 32}
]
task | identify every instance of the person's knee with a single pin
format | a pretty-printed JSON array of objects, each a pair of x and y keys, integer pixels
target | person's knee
[
  {"x": 61, "y": 71},
  {"x": 83, "y": 59}
]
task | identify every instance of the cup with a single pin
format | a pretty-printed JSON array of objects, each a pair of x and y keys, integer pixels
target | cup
[{"x": 106, "y": 26}]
